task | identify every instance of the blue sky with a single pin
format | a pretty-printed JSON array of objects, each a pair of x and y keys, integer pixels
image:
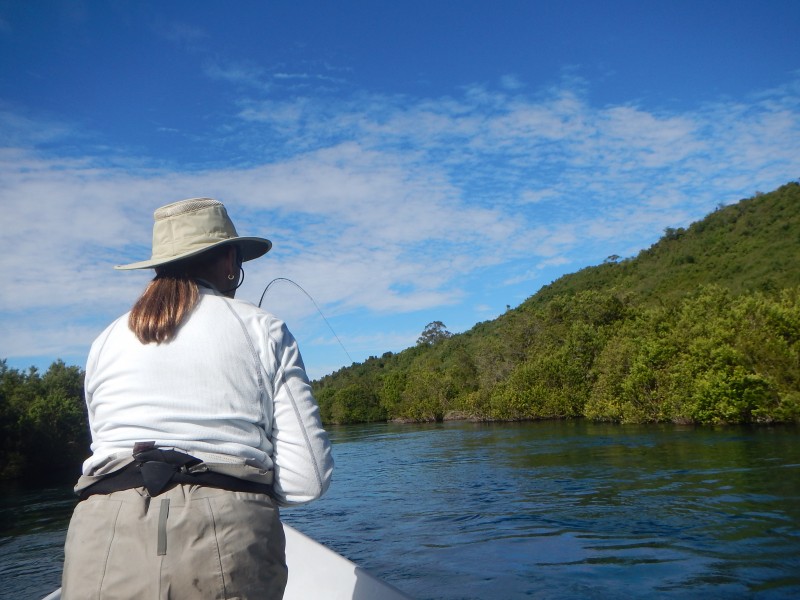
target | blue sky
[{"x": 411, "y": 161}]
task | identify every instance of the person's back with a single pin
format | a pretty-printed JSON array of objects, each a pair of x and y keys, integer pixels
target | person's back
[{"x": 202, "y": 421}]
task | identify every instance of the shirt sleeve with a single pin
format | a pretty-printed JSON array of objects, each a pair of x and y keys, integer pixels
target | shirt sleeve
[{"x": 301, "y": 449}]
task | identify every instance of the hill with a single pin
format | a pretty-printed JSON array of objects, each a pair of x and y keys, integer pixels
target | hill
[
  {"x": 702, "y": 327},
  {"x": 746, "y": 247}
]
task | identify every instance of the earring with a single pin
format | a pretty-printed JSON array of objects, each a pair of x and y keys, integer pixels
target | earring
[{"x": 231, "y": 276}]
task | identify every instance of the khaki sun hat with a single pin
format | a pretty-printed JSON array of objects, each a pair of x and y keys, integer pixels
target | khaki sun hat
[{"x": 190, "y": 227}]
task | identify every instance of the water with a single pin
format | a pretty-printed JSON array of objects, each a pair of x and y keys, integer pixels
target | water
[
  {"x": 33, "y": 525},
  {"x": 533, "y": 510}
]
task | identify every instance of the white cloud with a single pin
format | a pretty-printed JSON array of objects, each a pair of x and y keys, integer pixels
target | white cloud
[{"x": 382, "y": 205}]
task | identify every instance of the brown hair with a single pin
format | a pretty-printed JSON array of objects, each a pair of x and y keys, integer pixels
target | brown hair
[{"x": 169, "y": 298}]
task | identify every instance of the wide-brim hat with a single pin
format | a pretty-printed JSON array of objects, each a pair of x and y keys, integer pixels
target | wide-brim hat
[{"x": 190, "y": 227}]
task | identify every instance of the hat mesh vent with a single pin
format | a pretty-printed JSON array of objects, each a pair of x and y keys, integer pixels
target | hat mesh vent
[{"x": 184, "y": 206}]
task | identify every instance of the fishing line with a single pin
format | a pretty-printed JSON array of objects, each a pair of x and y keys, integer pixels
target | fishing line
[{"x": 319, "y": 310}]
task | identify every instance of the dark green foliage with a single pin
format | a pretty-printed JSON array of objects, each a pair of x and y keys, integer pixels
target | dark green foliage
[
  {"x": 354, "y": 404},
  {"x": 703, "y": 327},
  {"x": 42, "y": 421},
  {"x": 715, "y": 358}
]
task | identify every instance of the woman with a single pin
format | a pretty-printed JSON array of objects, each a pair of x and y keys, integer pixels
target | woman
[{"x": 202, "y": 423}]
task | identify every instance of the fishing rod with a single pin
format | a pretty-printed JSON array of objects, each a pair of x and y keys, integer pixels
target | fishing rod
[{"x": 314, "y": 302}]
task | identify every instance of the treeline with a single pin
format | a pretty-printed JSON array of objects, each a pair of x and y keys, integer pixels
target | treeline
[
  {"x": 711, "y": 358},
  {"x": 703, "y": 327},
  {"x": 43, "y": 421}
]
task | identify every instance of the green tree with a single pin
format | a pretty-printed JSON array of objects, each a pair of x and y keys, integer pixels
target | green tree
[
  {"x": 433, "y": 333},
  {"x": 43, "y": 420},
  {"x": 356, "y": 404}
]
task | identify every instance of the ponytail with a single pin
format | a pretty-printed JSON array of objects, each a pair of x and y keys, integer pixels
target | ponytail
[{"x": 165, "y": 303}]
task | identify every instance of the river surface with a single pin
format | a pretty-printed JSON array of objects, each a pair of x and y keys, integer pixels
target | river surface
[{"x": 533, "y": 510}]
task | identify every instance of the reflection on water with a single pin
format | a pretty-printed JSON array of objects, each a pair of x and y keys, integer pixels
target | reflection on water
[{"x": 564, "y": 509}]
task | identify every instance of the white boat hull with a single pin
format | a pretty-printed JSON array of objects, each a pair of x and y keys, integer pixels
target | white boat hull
[{"x": 318, "y": 572}]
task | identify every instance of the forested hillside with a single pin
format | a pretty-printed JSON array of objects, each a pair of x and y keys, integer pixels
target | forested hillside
[{"x": 702, "y": 327}]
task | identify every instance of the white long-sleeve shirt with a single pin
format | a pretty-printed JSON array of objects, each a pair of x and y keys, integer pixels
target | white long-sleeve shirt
[{"x": 230, "y": 388}]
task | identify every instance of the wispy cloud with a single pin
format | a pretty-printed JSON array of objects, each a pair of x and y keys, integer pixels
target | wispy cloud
[
  {"x": 386, "y": 204},
  {"x": 238, "y": 74}
]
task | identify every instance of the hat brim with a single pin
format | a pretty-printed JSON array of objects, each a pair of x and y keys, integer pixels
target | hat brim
[{"x": 251, "y": 247}]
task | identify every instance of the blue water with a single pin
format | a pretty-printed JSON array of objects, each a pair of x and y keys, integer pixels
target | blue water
[{"x": 534, "y": 510}]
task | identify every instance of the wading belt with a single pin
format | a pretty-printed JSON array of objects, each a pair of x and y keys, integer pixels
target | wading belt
[{"x": 159, "y": 470}]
